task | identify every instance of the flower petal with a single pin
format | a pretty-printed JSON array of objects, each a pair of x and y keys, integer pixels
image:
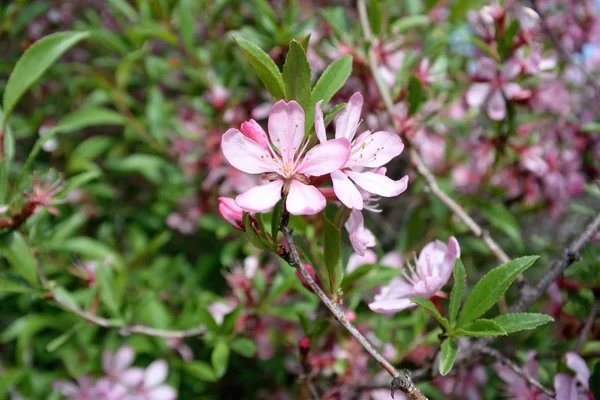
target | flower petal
[
  {"x": 320, "y": 123},
  {"x": 325, "y": 158},
  {"x": 155, "y": 373},
  {"x": 163, "y": 393},
  {"x": 349, "y": 118},
  {"x": 345, "y": 190},
  {"x": 304, "y": 199},
  {"x": 392, "y": 259},
  {"x": 360, "y": 237},
  {"x": 286, "y": 128},
  {"x": 245, "y": 154},
  {"x": 123, "y": 358},
  {"x": 496, "y": 107},
  {"x": 578, "y": 365},
  {"x": 260, "y": 198},
  {"x": 390, "y": 306},
  {"x": 375, "y": 150},
  {"x": 356, "y": 260},
  {"x": 477, "y": 93},
  {"x": 565, "y": 387},
  {"x": 131, "y": 377},
  {"x": 379, "y": 184}
]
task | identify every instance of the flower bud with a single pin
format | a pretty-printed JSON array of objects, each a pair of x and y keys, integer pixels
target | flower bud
[
  {"x": 231, "y": 212},
  {"x": 252, "y": 130}
]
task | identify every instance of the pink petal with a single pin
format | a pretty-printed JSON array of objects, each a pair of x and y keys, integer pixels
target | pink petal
[
  {"x": 349, "y": 118},
  {"x": 360, "y": 237},
  {"x": 392, "y": 259},
  {"x": 304, "y": 199},
  {"x": 123, "y": 358},
  {"x": 578, "y": 365},
  {"x": 515, "y": 91},
  {"x": 356, "y": 260},
  {"x": 375, "y": 150},
  {"x": 286, "y": 127},
  {"x": 345, "y": 191},
  {"x": 511, "y": 69},
  {"x": 496, "y": 107},
  {"x": 487, "y": 68},
  {"x": 156, "y": 373},
  {"x": 325, "y": 158},
  {"x": 252, "y": 130},
  {"x": 477, "y": 93},
  {"x": 107, "y": 357},
  {"x": 260, "y": 198},
  {"x": 320, "y": 123},
  {"x": 565, "y": 387},
  {"x": 131, "y": 377},
  {"x": 245, "y": 154},
  {"x": 379, "y": 184},
  {"x": 391, "y": 306},
  {"x": 163, "y": 393}
]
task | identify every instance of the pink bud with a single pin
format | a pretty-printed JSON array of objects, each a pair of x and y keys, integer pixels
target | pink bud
[
  {"x": 231, "y": 212},
  {"x": 252, "y": 130},
  {"x": 304, "y": 345}
]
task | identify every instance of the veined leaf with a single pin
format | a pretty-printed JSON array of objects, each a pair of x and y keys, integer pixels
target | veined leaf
[
  {"x": 521, "y": 321},
  {"x": 265, "y": 68}
]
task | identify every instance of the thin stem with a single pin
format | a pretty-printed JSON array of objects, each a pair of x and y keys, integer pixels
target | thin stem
[
  {"x": 400, "y": 381},
  {"x": 414, "y": 155},
  {"x": 587, "y": 327}
]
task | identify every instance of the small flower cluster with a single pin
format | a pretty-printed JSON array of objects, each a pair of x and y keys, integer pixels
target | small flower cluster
[{"x": 122, "y": 381}]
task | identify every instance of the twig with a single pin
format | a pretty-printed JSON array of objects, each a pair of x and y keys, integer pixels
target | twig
[
  {"x": 401, "y": 382},
  {"x": 517, "y": 370},
  {"x": 571, "y": 254},
  {"x": 127, "y": 329},
  {"x": 587, "y": 327},
  {"x": 414, "y": 155}
]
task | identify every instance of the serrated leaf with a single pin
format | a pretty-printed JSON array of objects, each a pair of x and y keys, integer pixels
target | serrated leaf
[
  {"x": 521, "y": 321},
  {"x": 305, "y": 42},
  {"x": 481, "y": 328},
  {"x": 448, "y": 356},
  {"x": 335, "y": 110},
  {"x": 429, "y": 306},
  {"x": 265, "y": 67},
  {"x": 458, "y": 290},
  {"x": 297, "y": 76},
  {"x": 332, "y": 238},
  {"x": 34, "y": 62},
  {"x": 19, "y": 256},
  {"x": 331, "y": 80},
  {"x": 491, "y": 287},
  {"x": 220, "y": 358}
]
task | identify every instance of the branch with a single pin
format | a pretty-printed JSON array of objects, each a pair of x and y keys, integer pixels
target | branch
[
  {"x": 403, "y": 381},
  {"x": 589, "y": 323},
  {"x": 570, "y": 255},
  {"x": 488, "y": 351},
  {"x": 414, "y": 154}
]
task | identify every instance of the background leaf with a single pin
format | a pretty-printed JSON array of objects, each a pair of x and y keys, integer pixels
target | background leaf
[
  {"x": 265, "y": 68},
  {"x": 448, "y": 356}
]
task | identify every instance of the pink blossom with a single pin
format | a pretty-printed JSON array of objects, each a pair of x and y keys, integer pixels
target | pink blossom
[
  {"x": 288, "y": 167},
  {"x": 516, "y": 387},
  {"x": 495, "y": 87},
  {"x": 117, "y": 367},
  {"x": 219, "y": 311},
  {"x": 431, "y": 272},
  {"x": 369, "y": 152},
  {"x": 231, "y": 212},
  {"x": 152, "y": 387},
  {"x": 576, "y": 387},
  {"x": 392, "y": 259},
  {"x": 360, "y": 237}
]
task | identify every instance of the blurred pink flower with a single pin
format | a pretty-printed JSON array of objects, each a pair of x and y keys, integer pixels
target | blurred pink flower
[
  {"x": 219, "y": 311},
  {"x": 360, "y": 237},
  {"x": 231, "y": 212},
  {"x": 517, "y": 387},
  {"x": 287, "y": 168},
  {"x": 152, "y": 387},
  {"x": 431, "y": 272},
  {"x": 576, "y": 387},
  {"x": 369, "y": 152}
]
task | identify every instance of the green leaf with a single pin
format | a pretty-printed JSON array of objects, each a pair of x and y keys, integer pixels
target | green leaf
[
  {"x": 458, "y": 290},
  {"x": 88, "y": 247},
  {"x": 332, "y": 80},
  {"x": 186, "y": 24},
  {"x": 491, "y": 287},
  {"x": 243, "y": 346},
  {"x": 19, "y": 256},
  {"x": 333, "y": 251},
  {"x": 276, "y": 218},
  {"x": 521, "y": 321},
  {"x": 58, "y": 341},
  {"x": 332, "y": 113},
  {"x": 375, "y": 16},
  {"x": 34, "y": 62},
  {"x": 257, "y": 240},
  {"x": 481, "y": 328},
  {"x": 407, "y": 23},
  {"x": 415, "y": 96},
  {"x": 149, "y": 166},
  {"x": 108, "y": 292},
  {"x": 297, "y": 76},
  {"x": 200, "y": 370},
  {"x": 429, "y": 306},
  {"x": 499, "y": 216},
  {"x": 305, "y": 42},
  {"x": 460, "y": 8},
  {"x": 265, "y": 68},
  {"x": 8, "y": 286},
  {"x": 220, "y": 358},
  {"x": 124, "y": 8},
  {"x": 448, "y": 356}
]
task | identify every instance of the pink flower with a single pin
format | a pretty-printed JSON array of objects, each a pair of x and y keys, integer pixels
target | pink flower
[
  {"x": 231, "y": 212},
  {"x": 286, "y": 165},
  {"x": 152, "y": 387},
  {"x": 360, "y": 237},
  {"x": 568, "y": 387},
  {"x": 517, "y": 388},
  {"x": 369, "y": 152},
  {"x": 431, "y": 272},
  {"x": 392, "y": 259},
  {"x": 496, "y": 88},
  {"x": 117, "y": 367},
  {"x": 219, "y": 311}
]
